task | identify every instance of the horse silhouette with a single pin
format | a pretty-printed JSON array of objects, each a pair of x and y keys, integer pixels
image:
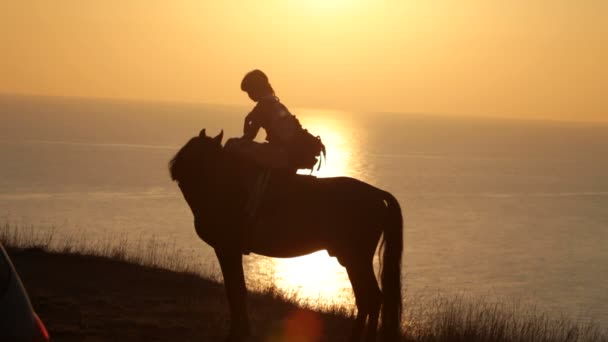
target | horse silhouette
[{"x": 298, "y": 215}]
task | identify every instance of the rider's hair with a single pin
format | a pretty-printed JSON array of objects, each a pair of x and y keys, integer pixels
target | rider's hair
[{"x": 256, "y": 82}]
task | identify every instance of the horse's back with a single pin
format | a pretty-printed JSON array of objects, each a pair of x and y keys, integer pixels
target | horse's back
[
  {"x": 316, "y": 201},
  {"x": 338, "y": 188}
]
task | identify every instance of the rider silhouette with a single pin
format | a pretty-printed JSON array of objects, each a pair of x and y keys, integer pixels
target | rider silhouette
[
  {"x": 289, "y": 147},
  {"x": 269, "y": 113},
  {"x": 284, "y": 132}
]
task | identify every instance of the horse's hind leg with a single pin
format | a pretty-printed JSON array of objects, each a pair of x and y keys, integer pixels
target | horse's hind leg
[
  {"x": 357, "y": 281},
  {"x": 374, "y": 301},
  {"x": 231, "y": 264},
  {"x": 368, "y": 298}
]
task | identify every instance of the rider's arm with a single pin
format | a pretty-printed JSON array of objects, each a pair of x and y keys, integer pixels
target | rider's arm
[{"x": 251, "y": 126}]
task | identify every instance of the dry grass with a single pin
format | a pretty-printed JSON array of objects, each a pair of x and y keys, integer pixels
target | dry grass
[
  {"x": 25, "y": 236},
  {"x": 150, "y": 251},
  {"x": 460, "y": 318}
]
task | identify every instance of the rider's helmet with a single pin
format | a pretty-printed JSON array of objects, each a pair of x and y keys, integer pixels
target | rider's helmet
[{"x": 256, "y": 84}]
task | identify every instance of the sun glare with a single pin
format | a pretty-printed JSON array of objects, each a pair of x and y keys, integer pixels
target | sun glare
[
  {"x": 314, "y": 278},
  {"x": 325, "y": 6}
]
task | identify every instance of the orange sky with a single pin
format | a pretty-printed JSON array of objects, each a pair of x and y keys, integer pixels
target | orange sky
[{"x": 543, "y": 58}]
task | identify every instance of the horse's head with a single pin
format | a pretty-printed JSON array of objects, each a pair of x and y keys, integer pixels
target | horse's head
[{"x": 196, "y": 158}]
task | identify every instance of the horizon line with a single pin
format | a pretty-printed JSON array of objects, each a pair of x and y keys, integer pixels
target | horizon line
[{"x": 192, "y": 102}]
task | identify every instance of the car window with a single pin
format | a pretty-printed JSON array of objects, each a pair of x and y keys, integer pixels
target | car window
[{"x": 5, "y": 273}]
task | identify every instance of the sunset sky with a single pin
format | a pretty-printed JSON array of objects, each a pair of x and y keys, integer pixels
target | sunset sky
[{"x": 538, "y": 58}]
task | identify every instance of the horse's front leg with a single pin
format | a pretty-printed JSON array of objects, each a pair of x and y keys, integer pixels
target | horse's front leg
[{"x": 231, "y": 263}]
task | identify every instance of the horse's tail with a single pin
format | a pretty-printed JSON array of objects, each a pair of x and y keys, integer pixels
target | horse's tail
[{"x": 390, "y": 271}]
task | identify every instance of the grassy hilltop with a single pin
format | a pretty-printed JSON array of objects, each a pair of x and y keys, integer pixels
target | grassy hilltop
[{"x": 111, "y": 293}]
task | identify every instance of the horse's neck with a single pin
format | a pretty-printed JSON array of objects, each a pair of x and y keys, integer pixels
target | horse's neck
[
  {"x": 200, "y": 190},
  {"x": 218, "y": 186},
  {"x": 192, "y": 196},
  {"x": 234, "y": 169},
  {"x": 231, "y": 177}
]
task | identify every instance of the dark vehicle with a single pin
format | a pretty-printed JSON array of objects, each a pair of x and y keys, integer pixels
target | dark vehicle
[{"x": 18, "y": 321}]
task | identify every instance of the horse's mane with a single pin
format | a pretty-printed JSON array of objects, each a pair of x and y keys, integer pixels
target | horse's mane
[{"x": 179, "y": 164}]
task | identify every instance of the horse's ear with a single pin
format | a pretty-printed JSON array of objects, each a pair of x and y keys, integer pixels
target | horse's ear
[
  {"x": 202, "y": 133},
  {"x": 219, "y": 137}
]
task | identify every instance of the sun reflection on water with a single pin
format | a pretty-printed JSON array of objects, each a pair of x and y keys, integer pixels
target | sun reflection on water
[{"x": 317, "y": 279}]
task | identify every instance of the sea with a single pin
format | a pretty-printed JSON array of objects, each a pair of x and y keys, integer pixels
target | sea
[{"x": 502, "y": 209}]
